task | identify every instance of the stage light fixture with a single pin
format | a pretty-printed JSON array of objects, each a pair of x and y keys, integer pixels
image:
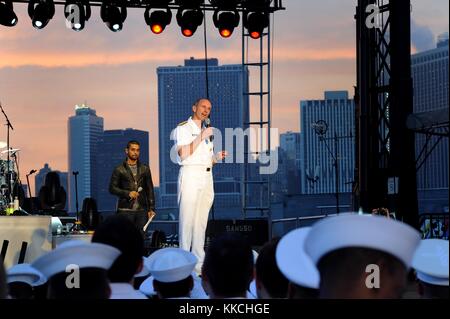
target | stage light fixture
[
  {"x": 157, "y": 20},
  {"x": 7, "y": 16},
  {"x": 41, "y": 12},
  {"x": 77, "y": 13},
  {"x": 255, "y": 23},
  {"x": 226, "y": 21},
  {"x": 113, "y": 16},
  {"x": 189, "y": 20}
]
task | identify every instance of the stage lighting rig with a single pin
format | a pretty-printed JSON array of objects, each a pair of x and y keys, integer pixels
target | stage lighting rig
[
  {"x": 77, "y": 12},
  {"x": 7, "y": 16},
  {"x": 255, "y": 23},
  {"x": 226, "y": 21},
  {"x": 189, "y": 20},
  {"x": 157, "y": 20},
  {"x": 112, "y": 15},
  {"x": 41, "y": 12}
]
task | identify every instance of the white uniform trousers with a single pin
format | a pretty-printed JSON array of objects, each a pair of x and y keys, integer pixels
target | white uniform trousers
[{"x": 195, "y": 198}]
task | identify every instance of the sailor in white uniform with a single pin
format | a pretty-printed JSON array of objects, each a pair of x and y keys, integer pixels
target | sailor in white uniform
[{"x": 195, "y": 155}]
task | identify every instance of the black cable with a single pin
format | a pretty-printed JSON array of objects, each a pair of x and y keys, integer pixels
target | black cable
[{"x": 206, "y": 53}]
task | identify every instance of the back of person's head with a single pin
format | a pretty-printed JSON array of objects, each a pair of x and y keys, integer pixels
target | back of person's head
[
  {"x": 429, "y": 291},
  {"x": 361, "y": 273},
  {"x": 228, "y": 266},
  {"x": 3, "y": 285},
  {"x": 20, "y": 290},
  {"x": 301, "y": 292},
  {"x": 430, "y": 263},
  {"x": 176, "y": 289},
  {"x": 268, "y": 275},
  {"x": 93, "y": 284},
  {"x": 118, "y": 231}
]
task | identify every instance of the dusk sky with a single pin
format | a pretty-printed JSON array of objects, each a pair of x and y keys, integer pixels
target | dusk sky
[{"x": 45, "y": 73}]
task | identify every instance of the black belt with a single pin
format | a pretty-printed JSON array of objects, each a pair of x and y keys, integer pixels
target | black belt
[{"x": 208, "y": 169}]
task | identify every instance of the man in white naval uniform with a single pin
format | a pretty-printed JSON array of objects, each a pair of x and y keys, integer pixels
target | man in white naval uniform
[{"x": 195, "y": 155}]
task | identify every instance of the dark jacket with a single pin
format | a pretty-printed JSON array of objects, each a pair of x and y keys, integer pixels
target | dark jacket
[{"x": 122, "y": 183}]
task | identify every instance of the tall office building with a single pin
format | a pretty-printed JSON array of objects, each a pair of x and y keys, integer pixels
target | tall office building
[
  {"x": 290, "y": 144},
  {"x": 85, "y": 129},
  {"x": 430, "y": 82},
  {"x": 39, "y": 178},
  {"x": 112, "y": 145},
  {"x": 178, "y": 88},
  {"x": 317, "y": 165}
]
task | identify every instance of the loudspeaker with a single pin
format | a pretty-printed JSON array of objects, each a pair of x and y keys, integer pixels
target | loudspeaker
[
  {"x": 31, "y": 205},
  {"x": 255, "y": 230}
]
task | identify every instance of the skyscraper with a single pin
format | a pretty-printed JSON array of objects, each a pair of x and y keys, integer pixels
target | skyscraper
[
  {"x": 85, "y": 129},
  {"x": 317, "y": 165},
  {"x": 430, "y": 82},
  {"x": 112, "y": 145},
  {"x": 290, "y": 144},
  {"x": 178, "y": 88}
]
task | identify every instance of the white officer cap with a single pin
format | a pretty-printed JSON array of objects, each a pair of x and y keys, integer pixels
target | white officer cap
[
  {"x": 363, "y": 231},
  {"x": 76, "y": 252},
  {"x": 171, "y": 264},
  {"x": 293, "y": 261},
  {"x": 431, "y": 261},
  {"x": 25, "y": 273},
  {"x": 197, "y": 291}
]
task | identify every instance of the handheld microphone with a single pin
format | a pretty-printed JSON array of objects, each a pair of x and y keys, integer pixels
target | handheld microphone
[
  {"x": 139, "y": 190},
  {"x": 208, "y": 124},
  {"x": 32, "y": 172}
]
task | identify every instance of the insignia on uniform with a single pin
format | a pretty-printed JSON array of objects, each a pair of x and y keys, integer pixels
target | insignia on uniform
[{"x": 182, "y": 123}]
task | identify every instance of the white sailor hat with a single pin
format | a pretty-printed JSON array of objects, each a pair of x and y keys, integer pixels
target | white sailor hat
[
  {"x": 144, "y": 271},
  {"x": 431, "y": 261},
  {"x": 255, "y": 256},
  {"x": 293, "y": 261},
  {"x": 197, "y": 291},
  {"x": 171, "y": 264},
  {"x": 251, "y": 292},
  {"x": 363, "y": 231},
  {"x": 76, "y": 252},
  {"x": 25, "y": 273}
]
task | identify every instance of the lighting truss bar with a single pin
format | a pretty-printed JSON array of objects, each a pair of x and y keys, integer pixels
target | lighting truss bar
[{"x": 276, "y": 5}]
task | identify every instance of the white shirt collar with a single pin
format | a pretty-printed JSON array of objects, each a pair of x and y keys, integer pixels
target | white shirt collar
[{"x": 192, "y": 123}]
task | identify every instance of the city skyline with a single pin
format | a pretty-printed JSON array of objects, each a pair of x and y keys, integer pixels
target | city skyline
[
  {"x": 115, "y": 73},
  {"x": 177, "y": 84}
]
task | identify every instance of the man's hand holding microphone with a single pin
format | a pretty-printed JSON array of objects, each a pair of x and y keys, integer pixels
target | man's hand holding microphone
[{"x": 133, "y": 194}]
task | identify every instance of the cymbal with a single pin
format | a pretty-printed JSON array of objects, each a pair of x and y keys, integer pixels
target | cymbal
[
  {"x": 11, "y": 150},
  {"x": 3, "y": 144}
]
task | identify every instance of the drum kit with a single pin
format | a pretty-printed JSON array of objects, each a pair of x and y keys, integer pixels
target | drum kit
[{"x": 9, "y": 177}]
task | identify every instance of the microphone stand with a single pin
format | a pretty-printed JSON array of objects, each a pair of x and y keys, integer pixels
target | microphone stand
[
  {"x": 28, "y": 182},
  {"x": 9, "y": 126},
  {"x": 77, "y": 227}
]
